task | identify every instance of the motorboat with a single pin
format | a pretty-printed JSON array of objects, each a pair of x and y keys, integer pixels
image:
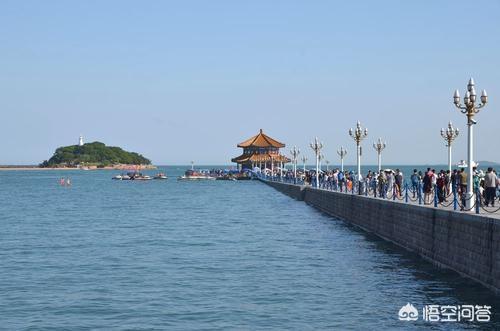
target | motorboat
[
  {"x": 143, "y": 177},
  {"x": 195, "y": 175},
  {"x": 160, "y": 175},
  {"x": 118, "y": 177},
  {"x": 135, "y": 176}
]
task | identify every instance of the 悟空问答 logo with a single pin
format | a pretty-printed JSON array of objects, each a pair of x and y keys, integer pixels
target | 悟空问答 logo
[{"x": 408, "y": 313}]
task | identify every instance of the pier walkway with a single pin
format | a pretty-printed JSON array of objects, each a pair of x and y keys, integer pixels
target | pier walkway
[{"x": 408, "y": 195}]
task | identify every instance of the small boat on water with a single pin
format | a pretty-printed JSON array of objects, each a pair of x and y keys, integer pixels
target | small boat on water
[
  {"x": 143, "y": 177},
  {"x": 195, "y": 175},
  {"x": 132, "y": 176},
  {"x": 160, "y": 175}
]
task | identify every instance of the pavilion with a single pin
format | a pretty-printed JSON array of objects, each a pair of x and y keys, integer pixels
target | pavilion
[{"x": 260, "y": 151}]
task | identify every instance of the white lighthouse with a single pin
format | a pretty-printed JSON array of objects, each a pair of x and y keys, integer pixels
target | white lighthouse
[{"x": 80, "y": 141}]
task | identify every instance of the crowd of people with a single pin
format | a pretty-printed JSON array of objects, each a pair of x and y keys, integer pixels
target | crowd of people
[{"x": 388, "y": 182}]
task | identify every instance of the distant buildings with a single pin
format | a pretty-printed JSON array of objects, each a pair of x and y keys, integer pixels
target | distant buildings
[{"x": 260, "y": 151}]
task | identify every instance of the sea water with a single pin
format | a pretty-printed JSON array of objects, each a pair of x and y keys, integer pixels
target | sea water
[{"x": 177, "y": 255}]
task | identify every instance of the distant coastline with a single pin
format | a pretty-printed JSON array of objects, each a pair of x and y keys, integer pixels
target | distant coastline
[{"x": 122, "y": 167}]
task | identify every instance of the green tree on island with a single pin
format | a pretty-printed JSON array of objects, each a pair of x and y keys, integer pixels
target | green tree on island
[{"x": 95, "y": 153}]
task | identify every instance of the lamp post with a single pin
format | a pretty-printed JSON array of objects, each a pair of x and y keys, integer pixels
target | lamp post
[
  {"x": 342, "y": 153},
  {"x": 295, "y": 154},
  {"x": 449, "y": 135},
  {"x": 304, "y": 160},
  {"x": 358, "y": 134},
  {"x": 327, "y": 163},
  {"x": 192, "y": 165},
  {"x": 379, "y": 146},
  {"x": 469, "y": 108},
  {"x": 316, "y": 146}
]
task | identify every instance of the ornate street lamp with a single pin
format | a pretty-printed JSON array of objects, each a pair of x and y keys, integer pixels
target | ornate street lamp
[
  {"x": 316, "y": 146},
  {"x": 469, "y": 108},
  {"x": 449, "y": 135},
  {"x": 295, "y": 154},
  {"x": 379, "y": 147},
  {"x": 342, "y": 153},
  {"x": 358, "y": 134}
]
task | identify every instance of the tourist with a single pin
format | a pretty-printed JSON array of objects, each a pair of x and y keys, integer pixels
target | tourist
[
  {"x": 476, "y": 179},
  {"x": 463, "y": 187},
  {"x": 68, "y": 182},
  {"x": 434, "y": 178},
  {"x": 490, "y": 183},
  {"x": 441, "y": 186},
  {"x": 335, "y": 177},
  {"x": 398, "y": 179},
  {"x": 427, "y": 183},
  {"x": 62, "y": 181},
  {"x": 390, "y": 182},
  {"x": 341, "y": 179},
  {"x": 382, "y": 180},
  {"x": 415, "y": 180}
]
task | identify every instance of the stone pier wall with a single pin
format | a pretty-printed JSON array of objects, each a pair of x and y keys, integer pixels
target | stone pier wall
[{"x": 466, "y": 243}]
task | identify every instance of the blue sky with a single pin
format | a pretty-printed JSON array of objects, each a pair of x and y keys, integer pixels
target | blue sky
[{"x": 188, "y": 80}]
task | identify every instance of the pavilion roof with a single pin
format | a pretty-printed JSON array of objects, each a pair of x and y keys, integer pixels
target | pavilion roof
[{"x": 261, "y": 140}]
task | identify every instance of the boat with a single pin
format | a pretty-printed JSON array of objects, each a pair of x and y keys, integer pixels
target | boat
[
  {"x": 140, "y": 176},
  {"x": 195, "y": 175},
  {"x": 160, "y": 175},
  {"x": 132, "y": 176}
]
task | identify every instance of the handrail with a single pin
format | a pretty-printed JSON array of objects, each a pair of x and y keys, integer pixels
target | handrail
[{"x": 405, "y": 193}]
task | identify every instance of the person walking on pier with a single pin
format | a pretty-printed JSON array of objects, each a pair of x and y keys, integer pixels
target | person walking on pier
[
  {"x": 490, "y": 183},
  {"x": 441, "y": 186},
  {"x": 390, "y": 182},
  {"x": 382, "y": 179},
  {"x": 463, "y": 186},
  {"x": 398, "y": 179},
  {"x": 415, "y": 179},
  {"x": 341, "y": 179},
  {"x": 427, "y": 182}
]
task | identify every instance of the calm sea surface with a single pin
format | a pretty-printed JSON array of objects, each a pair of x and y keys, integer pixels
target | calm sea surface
[{"x": 172, "y": 255}]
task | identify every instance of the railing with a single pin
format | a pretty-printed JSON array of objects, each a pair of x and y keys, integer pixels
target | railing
[{"x": 446, "y": 197}]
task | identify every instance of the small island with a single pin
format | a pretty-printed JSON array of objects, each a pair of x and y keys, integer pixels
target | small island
[{"x": 95, "y": 155}]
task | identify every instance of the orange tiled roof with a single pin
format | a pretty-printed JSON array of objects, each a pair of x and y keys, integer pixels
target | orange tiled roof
[{"x": 261, "y": 140}]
